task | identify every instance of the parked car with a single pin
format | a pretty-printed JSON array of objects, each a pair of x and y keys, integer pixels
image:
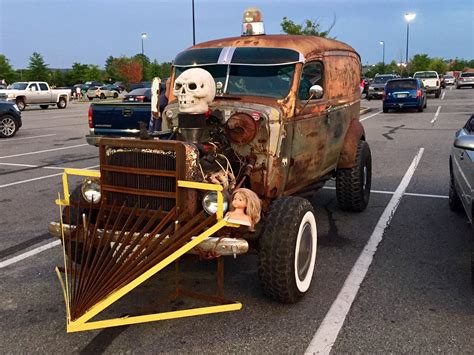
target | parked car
[
  {"x": 404, "y": 93},
  {"x": 88, "y": 84},
  {"x": 10, "y": 119},
  {"x": 431, "y": 81},
  {"x": 101, "y": 92},
  {"x": 376, "y": 88},
  {"x": 138, "y": 95},
  {"x": 449, "y": 80},
  {"x": 461, "y": 176},
  {"x": 465, "y": 79},
  {"x": 35, "y": 93}
]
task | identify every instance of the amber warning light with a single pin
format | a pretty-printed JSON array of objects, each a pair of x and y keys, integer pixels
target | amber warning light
[{"x": 252, "y": 22}]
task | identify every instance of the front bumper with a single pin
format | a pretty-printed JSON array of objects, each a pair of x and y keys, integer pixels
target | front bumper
[{"x": 211, "y": 246}]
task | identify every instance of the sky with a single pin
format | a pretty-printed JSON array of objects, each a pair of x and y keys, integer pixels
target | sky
[{"x": 88, "y": 31}]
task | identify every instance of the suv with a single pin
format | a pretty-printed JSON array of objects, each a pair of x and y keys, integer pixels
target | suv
[
  {"x": 465, "y": 79},
  {"x": 376, "y": 88},
  {"x": 404, "y": 93},
  {"x": 431, "y": 81},
  {"x": 284, "y": 120}
]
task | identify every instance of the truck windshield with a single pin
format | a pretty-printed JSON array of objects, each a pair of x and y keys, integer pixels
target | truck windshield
[
  {"x": 267, "y": 81},
  {"x": 18, "y": 86},
  {"x": 426, "y": 75}
]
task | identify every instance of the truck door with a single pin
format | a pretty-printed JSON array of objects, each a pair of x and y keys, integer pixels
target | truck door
[
  {"x": 45, "y": 93},
  {"x": 33, "y": 95},
  {"x": 309, "y": 130}
]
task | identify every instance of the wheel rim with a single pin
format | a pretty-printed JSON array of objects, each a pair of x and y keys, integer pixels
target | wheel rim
[
  {"x": 305, "y": 252},
  {"x": 62, "y": 102},
  {"x": 21, "y": 105},
  {"x": 7, "y": 126}
]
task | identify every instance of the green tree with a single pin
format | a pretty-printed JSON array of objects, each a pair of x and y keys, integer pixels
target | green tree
[
  {"x": 78, "y": 73},
  {"x": 6, "y": 71},
  {"x": 438, "y": 65},
  {"x": 458, "y": 64},
  {"x": 145, "y": 62},
  {"x": 93, "y": 73},
  {"x": 420, "y": 62},
  {"x": 111, "y": 72},
  {"x": 309, "y": 28},
  {"x": 57, "y": 78},
  {"x": 37, "y": 69}
]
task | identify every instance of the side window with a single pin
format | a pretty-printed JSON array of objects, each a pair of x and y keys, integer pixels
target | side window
[
  {"x": 312, "y": 74},
  {"x": 33, "y": 87},
  {"x": 469, "y": 126},
  {"x": 43, "y": 87}
]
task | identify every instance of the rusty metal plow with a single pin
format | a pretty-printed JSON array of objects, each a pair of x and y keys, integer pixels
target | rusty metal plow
[{"x": 115, "y": 249}]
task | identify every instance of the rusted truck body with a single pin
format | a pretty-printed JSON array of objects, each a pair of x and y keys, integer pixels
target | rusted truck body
[{"x": 285, "y": 119}]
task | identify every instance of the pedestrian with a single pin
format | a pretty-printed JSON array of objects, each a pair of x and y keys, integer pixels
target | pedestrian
[
  {"x": 78, "y": 92},
  {"x": 156, "y": 123}
]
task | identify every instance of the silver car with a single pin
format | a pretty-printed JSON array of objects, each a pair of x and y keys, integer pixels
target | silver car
[
  {"x": 101, "y": 92},
  {"x": 465, "y": 79},
  {"x": 461, "y": 171}
]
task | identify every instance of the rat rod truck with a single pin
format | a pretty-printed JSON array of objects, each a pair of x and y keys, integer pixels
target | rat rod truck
[{"x": 284, "y": 120}]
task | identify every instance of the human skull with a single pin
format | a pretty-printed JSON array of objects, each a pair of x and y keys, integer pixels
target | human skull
[{"x": 195, "y": 89}]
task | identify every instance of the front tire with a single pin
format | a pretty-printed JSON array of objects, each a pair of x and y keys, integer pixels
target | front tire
[
  {"x": 455, "y": 203},
  {"x": 21, "y": 104},
  {"x": 353, "y": 185},
  {"x": 115, "y": 95},
  {"x": 385, "y": 110},
  {"x": 438, "y": 93},
  {"x": 8, "y": 126},
  {"x": 62, "y": 103},
  {"x": 288, "y": 249},
  {"x": 102, "y": 96}
]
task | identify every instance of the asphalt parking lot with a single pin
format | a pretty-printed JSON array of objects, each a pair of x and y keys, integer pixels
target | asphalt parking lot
[{"x": 393, "y": 279}]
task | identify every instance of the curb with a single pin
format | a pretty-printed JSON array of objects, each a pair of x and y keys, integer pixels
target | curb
[{"x": 364, "y": 110}]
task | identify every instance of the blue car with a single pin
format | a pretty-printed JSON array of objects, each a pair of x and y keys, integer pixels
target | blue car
[{"x": 404, "y": 93}]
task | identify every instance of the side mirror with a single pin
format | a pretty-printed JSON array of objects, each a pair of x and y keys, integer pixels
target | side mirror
[
  {"x": 316, "y": 92},
  {"x": 464, "y": 142}
]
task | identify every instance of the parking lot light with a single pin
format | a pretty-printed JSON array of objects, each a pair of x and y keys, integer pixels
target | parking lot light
[
  {"x": 409, "y": 16},
  {"x": 144, "y": 35},
  {"x": 383, "y": 55}
]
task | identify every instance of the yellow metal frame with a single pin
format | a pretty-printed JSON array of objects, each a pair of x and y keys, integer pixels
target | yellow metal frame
[
  {"x": 78, "y": 172},
  {"x": 82, "y": 323}
]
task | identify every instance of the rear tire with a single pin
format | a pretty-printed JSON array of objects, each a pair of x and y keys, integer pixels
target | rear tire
[
  {"x": 90, "y": 98},
  {"x": 115, "y": 95},
  {"x": 420, "y": 109},
  {"x": 385, "y": 110},
  {"x": 287, "y": 252},
  {"x": 62, "y": 103},
  {"x": 44, "y": 107},
  {"x": 353, "y": 185},
  {"x": 8, "y": 126},
  {"x": 102, "y": 97},
  {"x": 438, "y": 93}
]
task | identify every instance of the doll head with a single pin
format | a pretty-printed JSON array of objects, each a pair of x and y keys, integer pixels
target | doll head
[{"x": 249, "y": 201}]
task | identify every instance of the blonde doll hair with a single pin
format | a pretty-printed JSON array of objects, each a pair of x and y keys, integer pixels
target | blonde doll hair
[{"x": 253, "y": 208}]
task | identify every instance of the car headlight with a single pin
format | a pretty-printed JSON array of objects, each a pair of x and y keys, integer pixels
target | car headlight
[
  {"x": 371, "y": 88},
  {"x": 209, "y": 203},
  {"x": 16, "y": 107},
  {"x": 11, "y": 95},
  {"x": 91, "y": 190}
]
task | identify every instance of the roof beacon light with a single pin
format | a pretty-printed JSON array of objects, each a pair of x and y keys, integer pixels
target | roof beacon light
[{"x": 252, "y": 22}]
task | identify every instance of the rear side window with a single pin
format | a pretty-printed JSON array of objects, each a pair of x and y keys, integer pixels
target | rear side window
[
  {"x": 467, "y": 75},
  {"x": 312, "y": 74},
  {"x": 43, "y": 87},
  {"x": 401, "y": 84}
]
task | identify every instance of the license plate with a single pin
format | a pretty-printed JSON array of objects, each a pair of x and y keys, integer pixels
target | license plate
[
  {"x": 401, "y": 95},
  {"x": 131, "y": 99}
]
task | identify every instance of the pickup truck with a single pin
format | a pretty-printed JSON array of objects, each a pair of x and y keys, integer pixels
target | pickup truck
[
  {"x": 431, "y": 81},
  {"x": 35, "y": 93},
  {"x": 117, "y": 120}
]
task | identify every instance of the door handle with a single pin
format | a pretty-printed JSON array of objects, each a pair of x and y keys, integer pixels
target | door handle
[{"x": 461, "y": 156}]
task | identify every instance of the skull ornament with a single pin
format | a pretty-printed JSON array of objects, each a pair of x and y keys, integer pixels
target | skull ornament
[{"x": 195, "y": 89}]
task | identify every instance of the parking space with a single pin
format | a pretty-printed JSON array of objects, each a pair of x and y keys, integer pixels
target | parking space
[{"x": 416, "y": 287}]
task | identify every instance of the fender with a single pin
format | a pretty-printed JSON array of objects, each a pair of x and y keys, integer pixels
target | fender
[{"x": 355, "y": 133}]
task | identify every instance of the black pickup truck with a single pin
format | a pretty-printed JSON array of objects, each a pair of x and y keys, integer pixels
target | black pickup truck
[{"x": 117, "y": 120}]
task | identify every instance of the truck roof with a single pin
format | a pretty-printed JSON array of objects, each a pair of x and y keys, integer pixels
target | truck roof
[{"x": 307, "y": 45}]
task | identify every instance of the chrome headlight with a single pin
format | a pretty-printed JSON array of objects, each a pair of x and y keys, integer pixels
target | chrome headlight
[
  {"x": 209, "y": 203},
  {"x": 11, "y": 95},
  {"x": 90, "y": 189}
]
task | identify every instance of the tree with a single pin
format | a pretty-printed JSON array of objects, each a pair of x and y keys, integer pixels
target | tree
[
  {"x": 438, "y": 65},
  {"x": 57, "y": 78},
  {"x": 420, "y": 62},
  {"x": 458, "y": 64},
  {"x": 130, "y": 70},
  {"x": 309, "y": 28},
  {"x": 162, "y": 70},
  {"x": 6, "y": 71},
  {"x": 111, "y": 71},
  {"x": 37, "y": 69},
  {"x": 78, "y": 73},
  {"x": 93, "y": 73},
  {"x": 145, "y": 62}
]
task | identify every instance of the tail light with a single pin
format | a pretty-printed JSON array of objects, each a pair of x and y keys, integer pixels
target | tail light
[
  {"x": 140, "y": 98},
  {"x": 418, "y": 93},
  {"x": 461, "y": 79},
  {"x": 89, "y": 117}
]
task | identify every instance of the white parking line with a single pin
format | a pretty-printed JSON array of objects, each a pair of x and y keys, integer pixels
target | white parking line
[
  {"x": 375, "y": 114},
  {"x": 39, "y": 178},
  {"x": 393, "y": 192},
  {"x": 33, "y": 166},
  {"x": 29, "y": 253},
  {"x": 331, "y": 325},
  {"x": 442, "y": 96},
  {"x": 33, "y": 137},
  {"x": 43, "y": 151},
  {"x": 436, "y": 115}
]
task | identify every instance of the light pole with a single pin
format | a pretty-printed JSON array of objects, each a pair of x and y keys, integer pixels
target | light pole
[
  {"x": 194, "y": 25},
  {"x": 409, "y": 16},
  {"x": 144, "y": 35},
  {"x": 383, "y": 55}
]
